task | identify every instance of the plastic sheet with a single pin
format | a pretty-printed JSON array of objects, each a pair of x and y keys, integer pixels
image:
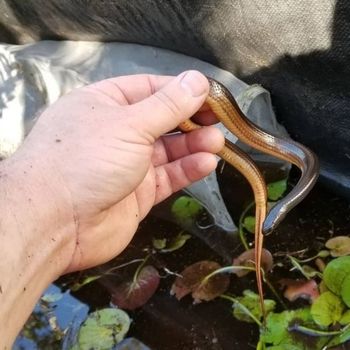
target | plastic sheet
[{"x": 35, "y": 75}]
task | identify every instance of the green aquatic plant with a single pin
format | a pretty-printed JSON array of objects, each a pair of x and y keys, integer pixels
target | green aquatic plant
[
  {"x": 323, "y": 325},
  {"x": 102, "y": 330},
  {"x": 164, "y": 245},
  {"x": 185, "y": 209},
  {"x": 275, "y": 190}
]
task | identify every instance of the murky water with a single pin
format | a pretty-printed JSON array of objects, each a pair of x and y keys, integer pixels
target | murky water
[{"x": 166, "y": 323}]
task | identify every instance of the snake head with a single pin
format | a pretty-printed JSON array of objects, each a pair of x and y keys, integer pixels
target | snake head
[{"x": 274, "y": 217}]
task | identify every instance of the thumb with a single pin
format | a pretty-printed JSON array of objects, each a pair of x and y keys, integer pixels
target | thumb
[{"x": 172, "y": 104}]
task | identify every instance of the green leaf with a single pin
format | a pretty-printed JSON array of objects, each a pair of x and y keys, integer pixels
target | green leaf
[
  {"x": 185, "y": 209},
  {"x": 345, "y": 319},
  {"x": 339, "y": 246},
  {"x": 260, "y": 346},
  {"x": 323, "y": 254},
  {"x": 335, "y": 273},
  {"x": 251, "y": 301},
  {"x": 327, "y": 309},
  {"x": 176, "y": 243},
  {"x": 345, "y": 290},
  {"x": 276, "y": 332},
  {"x": 308, "y": 271},
  {"x": 159, "y": 243},
  {"x": 167, "y": 246},
  {"x": 276, "y": 189},
  {"x": 283, "y": 347},
  {"x": 278, "y": 335},
  {"x": 102, "y": 330},
  {"x": 249, "y": 223},
  {"x": 193, "y": 279}
]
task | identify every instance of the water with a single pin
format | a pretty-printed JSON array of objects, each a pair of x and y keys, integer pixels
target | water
[{"x": 166, "y": 323}]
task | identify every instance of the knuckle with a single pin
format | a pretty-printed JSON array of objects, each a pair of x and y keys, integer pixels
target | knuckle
[{"x": 168, "y": 103}]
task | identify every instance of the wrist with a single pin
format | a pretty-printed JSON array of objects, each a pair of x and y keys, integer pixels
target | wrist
[{"x": 38, "y": 239}]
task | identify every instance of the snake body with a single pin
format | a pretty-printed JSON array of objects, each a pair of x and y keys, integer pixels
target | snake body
[{"x": 227, "y": 111}]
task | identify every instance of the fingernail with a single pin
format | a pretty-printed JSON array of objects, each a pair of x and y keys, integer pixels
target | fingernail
[{"x": 194, "y": 82}]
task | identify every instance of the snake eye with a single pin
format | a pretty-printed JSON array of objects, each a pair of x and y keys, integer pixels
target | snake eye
[
  {"x": 205, "y": 221},
  {"x": 267, "y": 229}
]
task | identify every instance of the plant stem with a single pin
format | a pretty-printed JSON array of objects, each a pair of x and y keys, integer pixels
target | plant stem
[
  {"x": 122, "y": 265},
  {"x": 137, "y": 272},
  {"x": 274, "y": 292},
  {"x": 296, "y": 266},
  {"x": 234, "y": 268},
  {"x": 316, "y": 332},
  {"x": 242, "y": 307},
  {"x": 224, "y": 270},
  {"x": 307, "y": 259}
]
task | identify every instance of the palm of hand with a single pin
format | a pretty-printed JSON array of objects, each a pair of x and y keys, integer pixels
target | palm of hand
[{"x": 116, "y": 165}]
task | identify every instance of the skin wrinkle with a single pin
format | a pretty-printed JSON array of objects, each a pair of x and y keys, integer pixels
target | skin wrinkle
[
  {"x": 151, "y": 84},
  {"x": 93, "y": 88},
  {"x": 168, "y": 103},
  {"x": 120, "y": 90},
  {"x": 181, "y": 173},
  {"x": 192, "y": 143},
  {"x": 144, "y": 134},
  {"x": 75, "y": 217},
  {"x": 166, "y": 151},
  {"x": 195, "y": 141},
  {"x": 169, "y": 153},
  {"x": 160, "y": 154},
  {"x": 188, "y": 145},
  {"x": 139, "y": 213}
]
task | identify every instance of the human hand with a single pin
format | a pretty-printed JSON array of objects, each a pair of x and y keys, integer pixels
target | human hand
[{"x": 102, "y": 151}]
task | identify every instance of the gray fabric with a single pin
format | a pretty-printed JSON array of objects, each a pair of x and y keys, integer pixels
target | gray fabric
[{"x": 297, "y": 49}]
